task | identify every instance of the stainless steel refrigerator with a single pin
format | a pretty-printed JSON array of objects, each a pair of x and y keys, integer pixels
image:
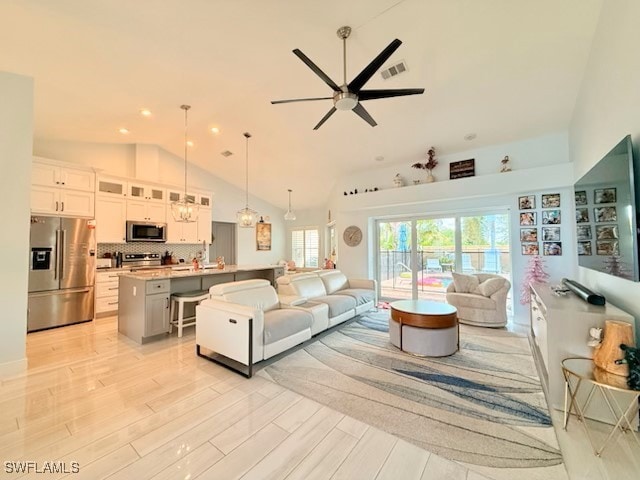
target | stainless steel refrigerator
[{"x": 61, "y": 272}]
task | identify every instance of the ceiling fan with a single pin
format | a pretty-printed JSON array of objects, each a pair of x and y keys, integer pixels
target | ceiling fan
[{"x": 348, "y": 96}]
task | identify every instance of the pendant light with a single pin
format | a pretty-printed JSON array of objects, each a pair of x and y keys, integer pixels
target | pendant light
[
  {"x": 246, "y": 217},
  {"x": 289, "y": 216},
  {"x": 185, "y": 210}
]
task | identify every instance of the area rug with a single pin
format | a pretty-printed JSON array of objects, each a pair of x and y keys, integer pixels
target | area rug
[{"x": 482, "y": 407}]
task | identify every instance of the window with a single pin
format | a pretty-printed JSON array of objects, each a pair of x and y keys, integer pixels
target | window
[{"x": 304, "y": 247}]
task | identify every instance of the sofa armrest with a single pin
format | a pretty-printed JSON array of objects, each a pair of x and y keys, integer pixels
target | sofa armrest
[
  {"x": 451, "y": 288},
  {"x": 363, "y": 283},
  {"x": 291, "y": 300},
  {"x": 229, "y": 307}
]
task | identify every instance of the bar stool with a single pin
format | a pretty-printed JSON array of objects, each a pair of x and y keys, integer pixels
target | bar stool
[{"x": 179, "y": 299}]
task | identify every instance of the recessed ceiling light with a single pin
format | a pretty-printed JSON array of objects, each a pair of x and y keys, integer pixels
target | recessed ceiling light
[
  {"x": 215, "y": 130},
  {"x": 124, "y": 131},
  {"x": 145, "y": 112},
  {"x": 470, "y": 136},
  {"x": 189, "y": 143},
  {"x": 379, "y": 158}
]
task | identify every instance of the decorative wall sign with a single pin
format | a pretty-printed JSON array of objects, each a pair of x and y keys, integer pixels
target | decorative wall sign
[
  {"x": 263, "y": 236},
  {"x": 463, "y": 168}
]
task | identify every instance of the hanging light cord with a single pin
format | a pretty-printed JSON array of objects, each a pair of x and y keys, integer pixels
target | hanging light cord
[
  {"x": 186, "y": 109},
  {"x": 247, "y": 135},
  {"x": 290, "y": 199}
]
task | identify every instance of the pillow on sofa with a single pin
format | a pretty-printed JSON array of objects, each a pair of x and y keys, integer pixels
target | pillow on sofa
[
  {"x": 465, "y": 283},
  {"x": 490, "y": 286}
]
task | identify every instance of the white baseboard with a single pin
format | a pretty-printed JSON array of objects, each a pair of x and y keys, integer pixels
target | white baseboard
[{"x": 9, "y": 369}]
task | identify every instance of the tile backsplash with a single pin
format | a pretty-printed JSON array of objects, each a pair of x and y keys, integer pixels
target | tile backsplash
[{"x": 180, "y": 250}]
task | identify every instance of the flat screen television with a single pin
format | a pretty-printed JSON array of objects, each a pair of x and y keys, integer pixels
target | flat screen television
[{"x": 606, "y": 222}]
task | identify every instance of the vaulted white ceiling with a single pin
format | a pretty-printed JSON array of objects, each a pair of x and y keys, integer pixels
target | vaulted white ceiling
[{"x": 502, "y": 69}]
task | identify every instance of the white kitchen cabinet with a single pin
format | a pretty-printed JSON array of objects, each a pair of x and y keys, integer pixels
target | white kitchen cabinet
[
  {"x": 145, "y": 211},
  {"x": 60, "y": 201},
  {"x": 204, "y": 200},
  {"x": 111, "y": 217},
  {"x": 181, "y": 232},
  {"x": 204, "y": 225},
  {"x": 47, "y": 174},
  {"x": 112, "y": 186},
  {"x": 144, "y": 191},
  {"x": 107, "y": 285},
  {"x": 176, "y": 194}
]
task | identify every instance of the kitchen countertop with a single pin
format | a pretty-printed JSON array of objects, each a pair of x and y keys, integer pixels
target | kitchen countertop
[{"x": 186, "y": 271}]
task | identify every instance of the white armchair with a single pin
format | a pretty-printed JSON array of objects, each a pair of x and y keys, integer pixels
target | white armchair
[{"x": 480, "y": 303}]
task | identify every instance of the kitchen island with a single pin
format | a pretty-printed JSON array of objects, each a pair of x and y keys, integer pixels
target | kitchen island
[{"x": 144, "y": 296}]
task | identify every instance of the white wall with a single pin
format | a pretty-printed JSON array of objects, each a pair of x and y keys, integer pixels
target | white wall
[
  {"x": 543, "y": 167},
  {"x": 607, "y": 109},
  {"x": 227, "y": 199},
  {"x": 16, "y": 134}
]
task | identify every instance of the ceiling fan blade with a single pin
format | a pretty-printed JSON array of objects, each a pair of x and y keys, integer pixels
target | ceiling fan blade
[
  {"x": 324, "y": 119},
  {"x": 317, "y": 70},
  {"x": 362, "y": 113},
  {"x": 375, "y": 94},
  {"x": 368, "y": 72},
  {"x": 274, "y": 102}
]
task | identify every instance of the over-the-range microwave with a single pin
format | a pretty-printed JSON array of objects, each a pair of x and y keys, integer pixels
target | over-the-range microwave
[{"x": 146, "y": 232}]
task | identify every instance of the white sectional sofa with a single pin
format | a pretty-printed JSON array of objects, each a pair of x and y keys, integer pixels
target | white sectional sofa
[{"x": 246, "y": 322}]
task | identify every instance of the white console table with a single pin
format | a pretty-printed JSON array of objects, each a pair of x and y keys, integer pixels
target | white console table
[{"x": 560, "y": 329}]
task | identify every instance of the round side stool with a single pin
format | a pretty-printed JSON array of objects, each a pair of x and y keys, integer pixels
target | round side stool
[{"x": 179, "y": 299}]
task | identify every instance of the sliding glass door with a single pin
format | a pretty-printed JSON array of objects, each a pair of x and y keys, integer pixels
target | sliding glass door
[{"x": 416, "y": 256}]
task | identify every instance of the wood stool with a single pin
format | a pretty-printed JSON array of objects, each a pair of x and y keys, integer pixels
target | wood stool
[{"x": 180, "y": 299}]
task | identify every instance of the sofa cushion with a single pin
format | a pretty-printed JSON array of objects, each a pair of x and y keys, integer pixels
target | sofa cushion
[
  {"x": 304, "y": 285},
  {"x": 252, "y": 293},
  {"x": 465, "y": 283},
  {"x": 361, "y": 295},
  {"x": 338, "y": 304},
  {"x": 333, "y": 280},
  {"x": 491, "y": 286},
  {"x": 282, "y": 323},
  {"x": 471, "y": 300}
]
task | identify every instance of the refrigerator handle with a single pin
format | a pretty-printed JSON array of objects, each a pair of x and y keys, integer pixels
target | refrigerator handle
[
  {"x": 55, "y": 267},
  {"x": 62, "y": 252}
]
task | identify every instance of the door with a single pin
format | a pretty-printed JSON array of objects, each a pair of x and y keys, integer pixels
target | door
[
  {"x": 223, "y": 242},
  {"x": 76, "y": 203},
  {"x": 204, "y": 225},
  {"x": 43, "y": 255},
  {"x": 45, "y": 200},
  {"x": 77, "y": 179},
  {"x": 137, "y": 210},
  {"x": 111, "y": 217},
  {"x": 156, "y": 314},
  {"x": 77, "y": 252}
]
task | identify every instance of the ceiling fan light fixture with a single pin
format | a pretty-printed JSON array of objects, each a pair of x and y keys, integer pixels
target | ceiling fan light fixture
[
  {"x": 246, "y": 217},
  {"x": 289, "y": 216},
  {"x": 345, "y": 101},
  {"x": 185, "y": 210}
]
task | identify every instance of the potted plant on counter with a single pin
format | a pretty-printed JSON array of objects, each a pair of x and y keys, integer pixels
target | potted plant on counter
[{"x": 429, "y": 165}]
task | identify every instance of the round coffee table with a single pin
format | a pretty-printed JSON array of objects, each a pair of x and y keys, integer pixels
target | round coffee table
[{"x": 424, "y": 328}]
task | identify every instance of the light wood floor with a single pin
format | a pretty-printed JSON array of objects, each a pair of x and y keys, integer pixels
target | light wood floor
[{"x": 123, "y": 411}]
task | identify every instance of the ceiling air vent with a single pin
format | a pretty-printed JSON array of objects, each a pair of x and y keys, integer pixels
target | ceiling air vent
[
  {"x": 394, "y": 70},
  {"x": 226, "y": 153}
]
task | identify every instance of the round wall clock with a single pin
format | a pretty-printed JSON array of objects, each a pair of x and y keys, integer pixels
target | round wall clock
[{"x": 352, "y": 236}]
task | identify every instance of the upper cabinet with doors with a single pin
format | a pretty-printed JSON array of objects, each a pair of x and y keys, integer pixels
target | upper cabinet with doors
[
  {"x": 141, "y": 191},
  {"x": 62, "y": 190}
]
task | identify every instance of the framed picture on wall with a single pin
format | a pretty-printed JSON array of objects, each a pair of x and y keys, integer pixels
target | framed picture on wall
[
  {"x": 263, "y": 236},
  {"x": 551, "y": 217},
  {"x": 605, "y": 214},
  {"x": 604, "y": 195},
  {"x": 607, "y": 247},
  {"x": 582, "y": 215},
  {"x": 527, "y": 202},
  {"x": 551, "y": 200},
  {"x": 552, "y": 248},
  {"x": 528, "y": 218},
  {"x": 583, "y": 232},
  {"x": 584, "y": 248},
  {"x": 550, "y": 234},
  {"x": 528, "y": 234},
  {"x": 530, "y": 249},
  {"x": 581, "y": 197},
  {"x": 606, "y": 232}
]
